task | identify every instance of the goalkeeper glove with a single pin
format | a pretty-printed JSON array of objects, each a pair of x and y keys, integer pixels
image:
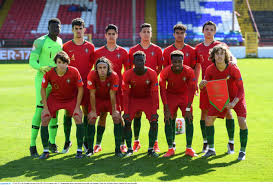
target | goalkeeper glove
[{"x": 45, "y": 69}]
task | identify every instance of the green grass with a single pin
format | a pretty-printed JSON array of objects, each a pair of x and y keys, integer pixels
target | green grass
[{"x": 17, "y": 106}]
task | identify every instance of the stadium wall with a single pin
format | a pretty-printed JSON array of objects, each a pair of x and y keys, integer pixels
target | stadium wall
[{"x": 21, "y": 55}]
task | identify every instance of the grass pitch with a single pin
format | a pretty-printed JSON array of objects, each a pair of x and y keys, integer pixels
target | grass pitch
[{"x": 17, "y": 106}]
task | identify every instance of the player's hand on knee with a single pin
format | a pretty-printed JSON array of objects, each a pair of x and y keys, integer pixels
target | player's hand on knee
[
  {"x": 202, "y": 84},
  {"x": 45, "y": 116},
  {"x": 77, "y": 113},
  {"x": 154, "y": 117},
  {"x": 116, "y": 116},
  {"x": 92, "y": 116},
  {"x": 126, "y": 117}
]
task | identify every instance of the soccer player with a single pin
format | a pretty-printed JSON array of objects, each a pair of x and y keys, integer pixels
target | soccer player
[
  {"x": 154, "y": 61},
  {"x": 41, "y": 58},
  {"x": 118, "y": 57},
  {"x": 67, "y": 92},
  {"x": 81, "y": 54},
  {"x": 222, "y": 69},
  {"x": 203, "y": 61},
  {"x": 140, "y": 92},
  {"x": 103, "y": 84},
  {"x": 178, "y": 94},
  {"x": 189, "y": 58}
]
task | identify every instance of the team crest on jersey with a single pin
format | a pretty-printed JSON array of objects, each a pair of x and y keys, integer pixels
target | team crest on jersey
[
  {"x": 68, "y": 81},
  {"x": 228, "y": 77},
  {"x": 187, "y": 54},
  {"x": 152, "y": 53},
  {"x": 43, "y": 80},
  {"x": 86, "y": 50},
  {"x": 73, "y": 57},
  {"x": 147, "y": 82},
  {"x": 55, "y": 86},
  {"x": 118, "y": 55},
  {"x": 108, "y": 84},
  {"x": 184, "y": 78},
  {"x": 89, "y": 82}
]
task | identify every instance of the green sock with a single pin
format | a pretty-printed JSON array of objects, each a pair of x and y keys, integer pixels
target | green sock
[
  {"x": 85, "y": 122},
  {"x": 53, "y": 128},
  {"x": 189, "y": 132},
  {"x": 203, "y": 129},
  {"x": 36, "y": 121},
  {"x": 173, "y": 129},
  {"x": 128, "y": 134},
  {"x": 152, "y": 133},
  {"x": 44, "y": 136},
  {"x": 168, "y": 133},
  {"x": 100, "y": 131},
  {"x": 91, "y": 129},
  {"x": 67, "y": 127},
  {"x": 79, "y": 135},
  {"x": 137, "y": 126},
  {"x": 117, "y": 134},
  {"x": 210, "y": 135},
  {"x": 230, "y": 128},
  {"x": 243, "y": 139}
]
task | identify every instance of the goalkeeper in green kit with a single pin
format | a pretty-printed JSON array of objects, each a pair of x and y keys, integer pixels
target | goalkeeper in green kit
[{"x": 42, "y": 59}]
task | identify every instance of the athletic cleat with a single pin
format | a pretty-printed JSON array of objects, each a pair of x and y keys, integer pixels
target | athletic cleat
[
  {"x": 230, "y": 147},
  {"x": 97, "y": 148},
  {"x": 53, "y": 148},
  {"x": 152, "y": 153},
  {"x": 123, "y": 148},
  {"x": 190, "y": 152},
  {"x": 89, "y": 153},
  {"x": 79, "y": 155},
  {"x": 205, "y": 147},
  {"x": 85, "y": 147},
  {"x": 67, "y": 146},
  {"x": 169, "y": 153},
  {"x": 242, "y": 156},
  {"x": 119, "y": 154},
  {"x": 209, "y": 153},
  {"x": 33, "y": 152},
  {"x": 136, "y": 146},
  {"x": 44, "y": 155},
  {"x": 156, "y": 148},
  {"x": 129, "y": 153}
]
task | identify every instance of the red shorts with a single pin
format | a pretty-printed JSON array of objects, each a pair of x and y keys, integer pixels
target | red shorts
[
  {"x": 141, "y": 104},
  {"x": 204, "y": 100},
  {"x": 54, "y": 105},
  {"x": 240, "y": 109},
  {"x": 175, "y": 102},
  {"x": 103, "y": 106},
  {"x": 86, "y": 97}
]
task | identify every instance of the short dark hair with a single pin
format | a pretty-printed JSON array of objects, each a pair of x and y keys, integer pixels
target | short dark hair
[
  {"x": 177, "y": 53},
  {"x": 145, "y": 25},
  {"x": 210, "y": 23},
  {"x": 181, "y": 27},
  {"x": 111, "y": 27},
  {"x": 63, "y": 56},
  {"x": 141, "y": 53},
  {"x": 54, "y": 20},
  {"x": 107, "y": 62},
  {"x": 78, "y": 22},
  {"x": 216, "y": 49}
]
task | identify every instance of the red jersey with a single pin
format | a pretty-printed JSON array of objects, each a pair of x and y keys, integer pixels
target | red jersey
[
  {"x": 233, "y": 76},
  {"x": 189, "y": 55},
  {"x": 81, "y": 56},
  {"x": 64, "y": 88},
  {"x": 140, "y": 86},
  {"x": 102, "y": 87},
  {"x": 182, "y": 84},
  {"x": 202, "y": 54},
  {"x": 153, "y": 54}
]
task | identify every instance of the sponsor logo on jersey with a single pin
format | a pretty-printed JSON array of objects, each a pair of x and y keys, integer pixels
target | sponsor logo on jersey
[
  {"x": 89, "y": 82},
  {"x": 184, "y": 78},
  {"x": 108, "y": 84},
  {"x": 118, "y": 55},
  {"x": 152, "y": 53},
  {"x": 68, "y": 81},
  {"x": 86, "y": 50},
  {"x": 187, "y": 54},
  {"x": 147, "y": 82}
]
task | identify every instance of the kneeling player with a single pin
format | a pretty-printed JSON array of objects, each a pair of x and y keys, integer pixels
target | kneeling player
[
  {"x": 140, "y": 92},
  {"x": 222, "y": 69},
  {"x": 178, "y": 94},
  {"x": 67, "y": 92},
  {"x": 103, "y": 84}
]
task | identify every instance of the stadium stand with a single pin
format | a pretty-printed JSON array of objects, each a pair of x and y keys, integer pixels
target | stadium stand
[{"x": 194, "y": 13}]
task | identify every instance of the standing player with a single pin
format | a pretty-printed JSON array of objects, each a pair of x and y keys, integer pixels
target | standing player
[
  {"x": 103, "y": 84},
  {"x": 41, "y": 58},
  {"x": 67, "y": 92},
  {"x": 118, "y": 57},
  {"x": 140, "y": 92},
  {"x": 189, "y": 59},
  {"x": 154, "y": 61},
  {"x": 81, "y": 53},
  {"x": 202, "y": 52},
  {"x": 222, "y": 69},
  {"x": 178, "y": 94}
]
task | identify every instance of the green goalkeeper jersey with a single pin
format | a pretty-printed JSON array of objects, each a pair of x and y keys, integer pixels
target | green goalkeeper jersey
[{"x": 43, "y": 52}]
